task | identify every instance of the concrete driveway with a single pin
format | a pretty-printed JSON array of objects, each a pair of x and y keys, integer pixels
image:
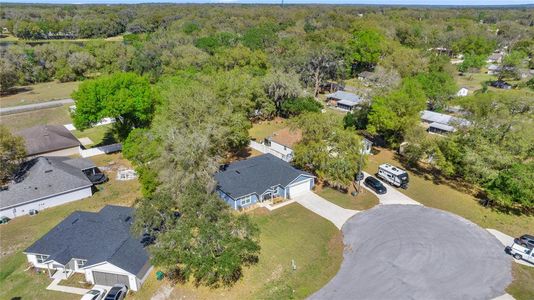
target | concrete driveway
[
  {"x": 325, "y": 208},
  {"x": 414, "y": 252},
  {"x": 393, "y": 196}
]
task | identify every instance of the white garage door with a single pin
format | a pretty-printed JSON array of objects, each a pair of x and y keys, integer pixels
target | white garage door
[
  {"x": 110, "y": 279},
  {"x": 299, "y": 188}
]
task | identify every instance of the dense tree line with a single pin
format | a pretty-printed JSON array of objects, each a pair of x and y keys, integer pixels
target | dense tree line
[{"x": 187, "y": 81}]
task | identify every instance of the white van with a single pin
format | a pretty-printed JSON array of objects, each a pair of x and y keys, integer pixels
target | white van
[{"x": 520, "y": 252}]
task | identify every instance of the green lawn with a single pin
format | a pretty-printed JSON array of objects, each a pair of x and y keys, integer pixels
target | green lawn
[
  {"x": 264, "y": 129},
  {"x": 40, "y": 92},
  {"x": 522, "y": 288},
  {"x": 473, "y": 81},
  {"x": 50, "y": 116},
  {"x": 21, "y": 232},
  {"x": 291, "y": 232},
  {"x": 443, "y": 195},
  {"x": 364, "y": 200},
  {"x": 101, "y": 135}
]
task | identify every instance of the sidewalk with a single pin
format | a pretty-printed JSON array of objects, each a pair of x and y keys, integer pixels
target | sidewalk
[{"x": 325, "y": 209}]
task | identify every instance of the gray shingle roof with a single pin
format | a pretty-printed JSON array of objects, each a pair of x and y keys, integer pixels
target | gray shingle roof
[
  {"x": 256, "y": 175},
  {"x": 98, "y": 237},
  {"x": 341, "y": 95},
  {"x": 44, "y": 176},
  {"x": 47, "y": 138}
]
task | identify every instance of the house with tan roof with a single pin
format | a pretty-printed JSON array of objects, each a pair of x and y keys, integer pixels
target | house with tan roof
[{"x": 282, "y": 142}]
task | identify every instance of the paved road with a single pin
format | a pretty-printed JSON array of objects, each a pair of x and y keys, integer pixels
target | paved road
[
  {"x": 415, "y": 252},
  {"x": 393, "y": 196},
  {"x": 325, "y": 208},
  {"x": 36, "y": 106}
]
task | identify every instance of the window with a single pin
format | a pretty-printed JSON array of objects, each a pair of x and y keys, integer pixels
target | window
[
  {"x": 246, "y": 200},
  {"x": 80, "y": 262},
  {"x": 41, "y": 258}
]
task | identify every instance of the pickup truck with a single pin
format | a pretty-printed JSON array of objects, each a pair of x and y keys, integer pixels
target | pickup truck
[{"x": 520, "y": 252}]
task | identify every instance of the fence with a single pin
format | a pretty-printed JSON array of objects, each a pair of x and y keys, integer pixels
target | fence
[
  {"x": 101, "y": 150},
  {"x": 265, "y": 149}
]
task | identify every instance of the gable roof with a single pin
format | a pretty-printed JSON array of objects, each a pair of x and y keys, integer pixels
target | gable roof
[
  {"x": 435, "y": 117},
  {"x": 341, "y": 95},
  {"x": 286, "y": 137},
  {"x": 256, "y": 175},
  {"x": 98, "y": 237},
  {"x": 47, "y": 138},
  {"x": 44, "y": 176}
]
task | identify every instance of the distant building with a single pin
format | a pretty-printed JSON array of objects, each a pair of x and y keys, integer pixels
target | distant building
[
  {"x": 495, "y": 58},
  {"x": 494, "y": 69},
  {"x": 49, "y": 140},
  {"x": 344, "y": 100},
  {"x": 441, "y": 123}
]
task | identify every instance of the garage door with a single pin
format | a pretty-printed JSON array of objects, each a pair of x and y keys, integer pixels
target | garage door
[
  {"x": 109, "y": 279},
  {"x": 299, "y": 188}
]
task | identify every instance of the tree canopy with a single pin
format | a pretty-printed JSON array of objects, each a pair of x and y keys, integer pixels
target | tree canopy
[
  {"x": 127, "y": 97},
  {"x": 12, "y": 154}
]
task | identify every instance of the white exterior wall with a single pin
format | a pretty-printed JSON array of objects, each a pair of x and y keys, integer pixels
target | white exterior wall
[
  {"x": 281, "y": 148},
  {"x": 44, "y": 203},
  {"x": 266, "y": 149},
  {"x": 63, "y": 152},
  {"x": 109, "y": 268}
]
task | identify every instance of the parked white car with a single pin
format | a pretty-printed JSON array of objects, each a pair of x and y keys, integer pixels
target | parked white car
[
  {"x": 95, "y": 294},
  {"x": 520, "y": 252}
]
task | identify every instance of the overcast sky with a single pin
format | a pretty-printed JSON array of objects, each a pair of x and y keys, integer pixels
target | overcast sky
[{"x": 395, "y": 2}]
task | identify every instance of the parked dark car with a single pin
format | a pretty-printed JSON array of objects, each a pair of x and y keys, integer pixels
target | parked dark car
[
  {"x": 375, "y": 185},
  {"x": 501, "y": 85},
  {"x": 4, "y": 220},
  {"x": 525, "y": 240},
  {"x": 117, "y": 292}
]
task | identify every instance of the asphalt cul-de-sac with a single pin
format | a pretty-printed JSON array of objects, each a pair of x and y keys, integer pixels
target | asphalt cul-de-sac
[{"x": 416, "y": 252}]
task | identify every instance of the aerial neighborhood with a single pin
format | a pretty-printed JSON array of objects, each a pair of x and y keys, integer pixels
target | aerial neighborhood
[{"x": 247, "y": 151}]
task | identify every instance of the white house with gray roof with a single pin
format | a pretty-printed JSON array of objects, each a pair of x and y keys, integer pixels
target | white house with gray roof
[
  {"x": 45, "y": 182},
  {"x": 261, "y": 178},
  {"x": 442, "y": 123},
  {"x": 344, "y": 100},
  {"x": 99, "y": 245}
]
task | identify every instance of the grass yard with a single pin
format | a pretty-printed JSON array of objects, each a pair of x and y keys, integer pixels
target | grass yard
[
  {"x": 40, "y": 92},
  {"x": 264, "y": 129},
  {"x": 473, "y": 81},
  {"x": 443, "y": 195},
  {"x": 522, "y": 288},
  {"x": 364, "y": 200},
  {"x": 21, "y": 232},
  {"x": 76, "y": 280},
  {"x": 49, "y": 116},
  {"x": 100, "y": 135},
  {"x": 291, "y": 232}
]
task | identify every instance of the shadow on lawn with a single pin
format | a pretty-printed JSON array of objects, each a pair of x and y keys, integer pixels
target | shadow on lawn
[{"x": 431, "y": 174}]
